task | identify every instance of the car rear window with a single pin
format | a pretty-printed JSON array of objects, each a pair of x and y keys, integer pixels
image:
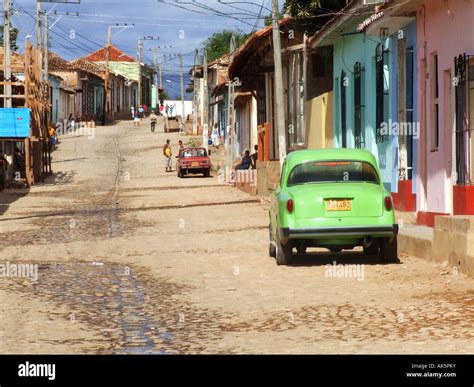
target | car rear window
[
  {"x": 333, "y": 171},
  {"x": 194, "y": 153}
]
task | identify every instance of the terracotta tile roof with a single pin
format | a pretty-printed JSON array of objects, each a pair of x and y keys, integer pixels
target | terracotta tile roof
[
  {"x": 367, "y": 22},
  {"x": 17, "y": 61},
  {"x": 90, "y": 67},
  {"x": 252, "y": 42},
  {"x": 115, "y": 55},
  {"x": 56, "y": 63}
]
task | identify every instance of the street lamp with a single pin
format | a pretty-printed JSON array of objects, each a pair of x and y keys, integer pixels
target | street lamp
[{"x": 123, "y": 26}]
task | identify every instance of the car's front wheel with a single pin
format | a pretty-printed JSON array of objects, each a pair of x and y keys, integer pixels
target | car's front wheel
[{"x": 389, "y": 250}]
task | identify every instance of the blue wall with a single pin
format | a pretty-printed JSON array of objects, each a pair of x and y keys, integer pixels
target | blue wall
[
  {"x": 411, "y": 42},
  {"x": 347, "y": 51},
  {"x": 54, "y": 82},
  {"x": 354, "y": 48}
]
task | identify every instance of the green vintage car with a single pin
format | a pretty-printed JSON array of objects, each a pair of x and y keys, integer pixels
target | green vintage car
[{"x": 334, "y": 199}]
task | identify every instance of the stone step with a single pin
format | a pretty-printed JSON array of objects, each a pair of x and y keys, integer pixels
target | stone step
[{"x": 416, "y": 241}]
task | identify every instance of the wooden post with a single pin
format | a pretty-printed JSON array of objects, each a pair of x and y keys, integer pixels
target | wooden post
[
  {"x": 7, "y": 71},
  {"x": 266, "y": 145},
  {"x": 261, "y": 142},
  {"x": 28, "y": 172}
]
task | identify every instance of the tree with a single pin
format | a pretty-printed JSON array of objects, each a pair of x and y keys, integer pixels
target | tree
[
  {"x": 218, "y": 44},
  {"x": 13, "y": 37},
  {"x": 313, "y": 14},
  {"x": 164, "y": 96}
]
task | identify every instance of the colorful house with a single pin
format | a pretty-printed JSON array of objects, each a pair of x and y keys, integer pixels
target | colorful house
[
  {"x": 397, "y": 22},
  {"x": 366, "y": 67},
  {"x": 445, "y": 44},
  {"x": 126, "y": 66}
]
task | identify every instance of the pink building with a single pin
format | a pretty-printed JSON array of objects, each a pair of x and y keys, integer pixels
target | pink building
[{"x": 445, "y": 31}]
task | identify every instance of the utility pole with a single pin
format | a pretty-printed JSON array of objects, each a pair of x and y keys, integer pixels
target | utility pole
[
  {"x": 38, "y": 25},
  {"x": 161, "y": 75},
  {"x": 46, "y": 47},
  {"x": 205, "y": 115},
  {"x": 280, "y": 118},
  {"x": 7, "y": 55},
  {"x": 196, "y": 83},
  {"x": 140, "y": 46},
  {"x": 105, "y": 107},
  {"x": 155, "y": 62},
  {"x": 230, "y": 137},
  {"x": 183, "y": 112},
  {"x": 107, "y": 75}
]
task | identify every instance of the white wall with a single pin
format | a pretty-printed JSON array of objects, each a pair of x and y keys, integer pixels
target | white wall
[{"x": 188, "y": 107}]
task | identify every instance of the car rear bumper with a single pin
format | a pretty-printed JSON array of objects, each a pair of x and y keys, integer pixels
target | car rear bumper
[
  {"x": 194, "y": 169},
  {"x": 358, "y": 232}
]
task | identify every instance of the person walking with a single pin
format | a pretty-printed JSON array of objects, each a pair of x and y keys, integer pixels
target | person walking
[
  {"x": 3, "y": 172},
  {"x": 167, "y": 109},
  {"x": 167, "y": 154},
  {"x": 215, "y": 135},
  {"x": 154, "y": 120},
  {"x": 136, "y": 120},
  {"x": 141, "y": 111}
]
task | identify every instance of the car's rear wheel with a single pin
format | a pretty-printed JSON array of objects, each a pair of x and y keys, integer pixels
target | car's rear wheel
[
  {"x": 271, "y": 244},
  {"x": 284, "y": 253},
  {"x": 373, "y": 249},
  {"x": 207, "y": 173},
  {"x": 389, "y": 250}
]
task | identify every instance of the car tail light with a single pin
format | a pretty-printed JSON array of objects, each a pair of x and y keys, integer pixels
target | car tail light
[
  {"x": 388, "y": 203},
  {"x": 290, "y": 206}
]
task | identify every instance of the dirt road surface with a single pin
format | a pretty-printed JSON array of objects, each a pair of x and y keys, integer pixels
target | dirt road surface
[{"x": 135, "y": 260}]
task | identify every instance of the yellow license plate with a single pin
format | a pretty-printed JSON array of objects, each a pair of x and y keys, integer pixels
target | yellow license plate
[
  {"x": 338, "y": 205},
  {"x": 195, "y": 164}
]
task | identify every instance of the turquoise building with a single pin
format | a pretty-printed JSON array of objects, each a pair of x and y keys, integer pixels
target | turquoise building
[{"x": 375, "y": 90}]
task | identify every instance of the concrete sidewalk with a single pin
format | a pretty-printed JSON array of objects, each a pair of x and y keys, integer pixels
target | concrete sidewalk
[
  {"x": 450, "y": 243},
  {"x": 416, "y": 241}
]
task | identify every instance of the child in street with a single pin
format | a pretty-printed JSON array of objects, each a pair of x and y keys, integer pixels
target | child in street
[
  {"x": 136, "y": 120},
  {"x": 154, "y": 120}
]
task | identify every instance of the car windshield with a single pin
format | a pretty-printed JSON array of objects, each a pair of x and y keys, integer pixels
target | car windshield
[
  {"x": 333, "y": 171},
  {"x": 194, "y": 153}
]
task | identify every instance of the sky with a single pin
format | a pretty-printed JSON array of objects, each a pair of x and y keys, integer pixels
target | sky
[{"x": 178, "y": 26}]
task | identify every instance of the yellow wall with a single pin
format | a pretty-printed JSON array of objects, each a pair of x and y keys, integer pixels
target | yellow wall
[{"x": 319, "y": 121}]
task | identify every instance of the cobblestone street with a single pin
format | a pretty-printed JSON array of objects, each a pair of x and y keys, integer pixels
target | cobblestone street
[{"x": 135, "y": 260}]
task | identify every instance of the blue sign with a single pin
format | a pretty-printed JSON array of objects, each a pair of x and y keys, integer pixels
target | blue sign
[{"x": 14, "y": 122}]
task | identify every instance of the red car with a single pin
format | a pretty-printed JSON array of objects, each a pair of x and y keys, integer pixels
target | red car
[{"x": 193, "y": 161}]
